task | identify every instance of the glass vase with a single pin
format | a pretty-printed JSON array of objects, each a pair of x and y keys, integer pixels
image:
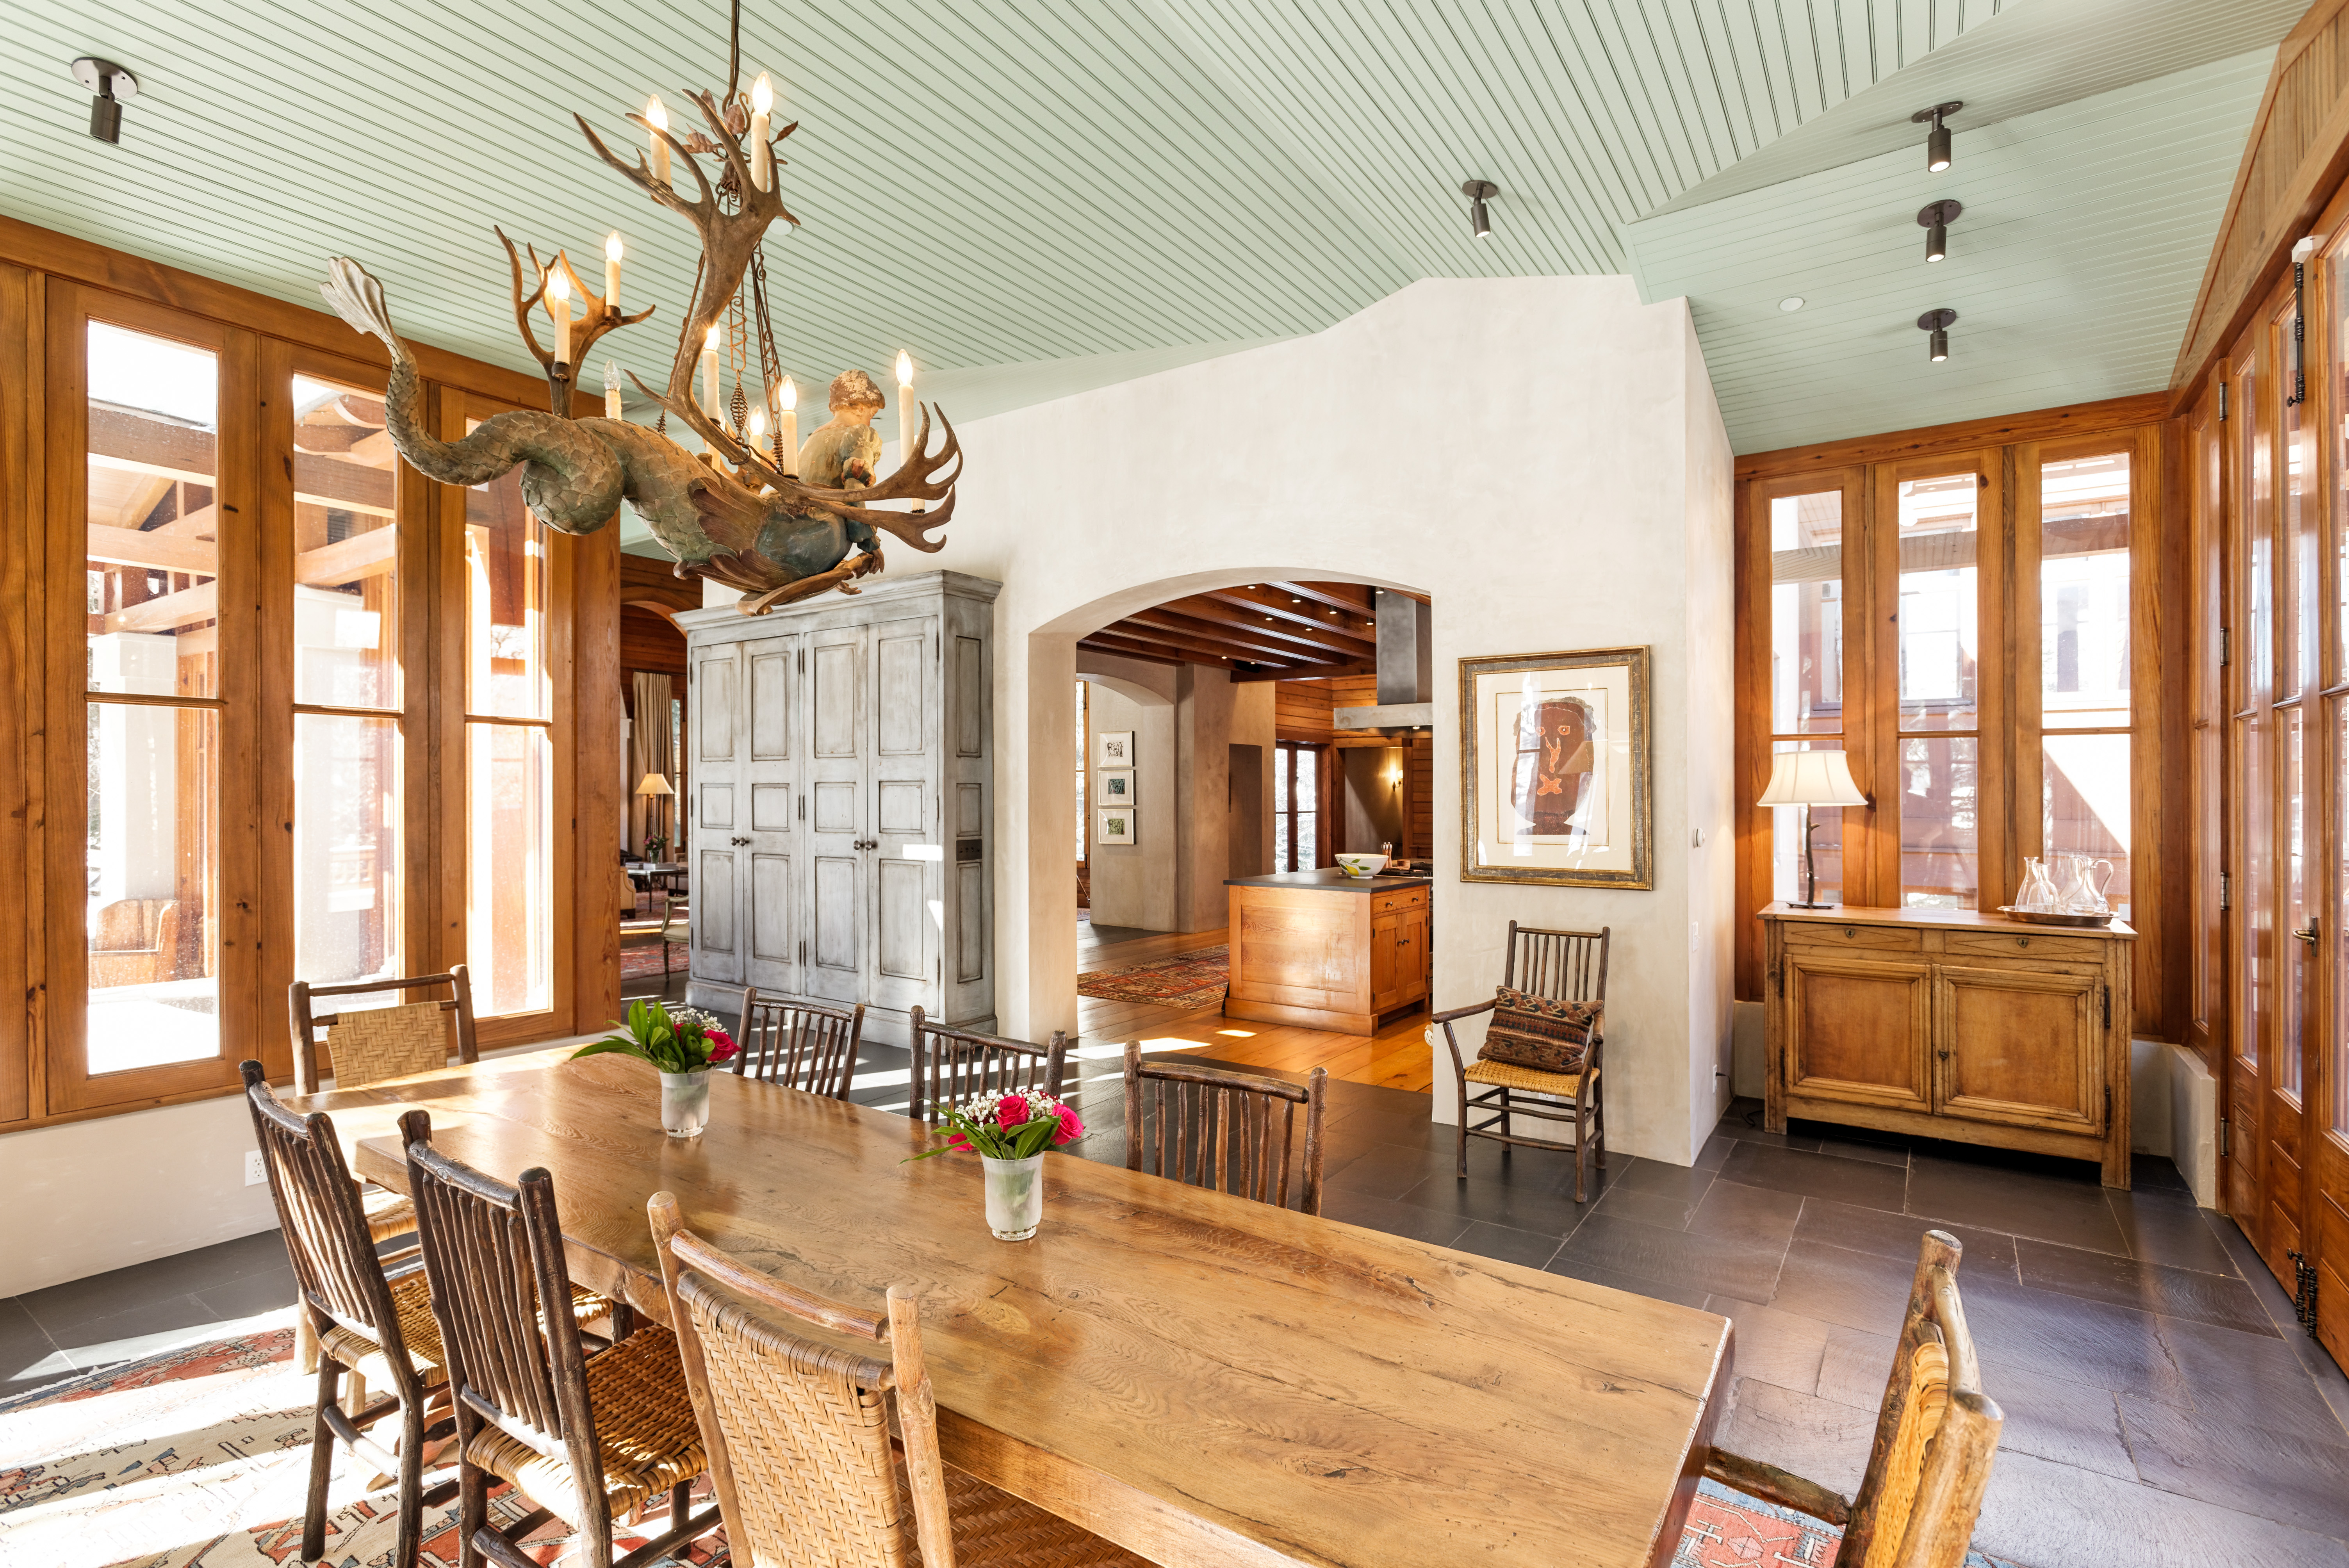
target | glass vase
[
  {"x": 1015, "y": 1196},
  {"x": 684, "y": 1103}
]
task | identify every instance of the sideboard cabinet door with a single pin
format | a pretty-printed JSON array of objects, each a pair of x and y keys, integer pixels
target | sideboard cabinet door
[
  {"x": 1856, "y": 1030},
  {"x": 2022, "y": 1049},
  {"x": 717, "y": 811}
]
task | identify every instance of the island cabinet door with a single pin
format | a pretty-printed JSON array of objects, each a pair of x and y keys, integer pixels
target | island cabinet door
[
  {"x": 1385, "y": 973},
  {"x": 2022, "y": 1048},
  {"x": 1856, "y": 1031}
]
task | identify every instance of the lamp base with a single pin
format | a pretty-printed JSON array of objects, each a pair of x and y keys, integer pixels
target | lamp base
[{"x": 1792, "y": 903}]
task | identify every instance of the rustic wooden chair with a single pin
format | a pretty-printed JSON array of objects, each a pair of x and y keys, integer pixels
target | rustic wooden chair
[
  {"x": 585, "y": 1440},
  {"x": 379, "y": 1325},
  {"x": 796, "y": 1415},
  {"x": 1565, "y": 966},
  {"x": 953, "y": 1066},
  {"x": 799, "y": 1045},
  {"x": 1231, "y": 1132},
  {"x": 1935, "y": 1438},
  {"x": 676, "y": 926}
]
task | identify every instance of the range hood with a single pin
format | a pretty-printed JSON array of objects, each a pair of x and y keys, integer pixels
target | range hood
[{"x": 1406, "y": 670}]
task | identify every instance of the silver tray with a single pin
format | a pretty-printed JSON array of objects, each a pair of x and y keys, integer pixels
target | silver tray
[{"x": 2052, "y": 917}]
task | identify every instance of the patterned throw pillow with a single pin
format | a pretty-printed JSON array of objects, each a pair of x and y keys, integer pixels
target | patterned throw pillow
[{"x": 1529, "y": 1031}]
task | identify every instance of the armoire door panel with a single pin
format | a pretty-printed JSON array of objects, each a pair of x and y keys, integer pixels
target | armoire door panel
[
  {"x": 716, "y": 705},
  {"x": 901, "y": 662},
  {"x": 717, "y": 805},
  {"x": 773, "y": 895},
  {"x": 832, "y": 698},
  {"x": 970, "y": 811},
  {"x": 714, "y": 905},
  {"x": 899, "y": 808},
  {"x": 1858, "y": 1031},
  {"x": 904, "y": 920},
  {"x": 834, "y": 807},
  {"x": 970, "y": 691},
  {"x": 771, "y": 703},
  {"x": 2025, "y": 1049},
  {"x": 970, "y": 922},
  {"x": 770, "y": 808},
  {"x": 834, "y": 914}
]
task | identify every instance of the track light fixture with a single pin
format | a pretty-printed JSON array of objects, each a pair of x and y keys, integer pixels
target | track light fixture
[
  {"x": 1935, "y": 219},
  {"x": 112, "y": 84},
  {"x": 1479, "y": 192},
  {"x": 1937, "y": 142},
  {"x": 1937, "y": 322}
]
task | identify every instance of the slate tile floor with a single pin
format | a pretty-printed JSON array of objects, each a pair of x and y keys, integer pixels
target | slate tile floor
[{"x": 2162, "y": 1408}]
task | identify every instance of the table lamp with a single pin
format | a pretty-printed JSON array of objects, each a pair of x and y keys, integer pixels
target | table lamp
[
  {"x": 655, "y": 784},
  {"x": 1811, "y": 779}
]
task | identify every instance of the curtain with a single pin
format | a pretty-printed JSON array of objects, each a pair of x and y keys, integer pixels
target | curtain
[{"x": 649, "y": 752}]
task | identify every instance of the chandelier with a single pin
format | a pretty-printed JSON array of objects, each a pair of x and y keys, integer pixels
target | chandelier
[{"x": 755, "y": 508}]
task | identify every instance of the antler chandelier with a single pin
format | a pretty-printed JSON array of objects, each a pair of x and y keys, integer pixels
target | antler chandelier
[{"x": 754, "y": 509}]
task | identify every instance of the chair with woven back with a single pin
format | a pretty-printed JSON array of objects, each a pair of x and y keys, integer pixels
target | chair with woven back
[
  {"x": 952, "y": 1068},
  {"x": 1231, "y": 1132},
  {"x": 587, "y": 1440},
  {"x": 376, "y": 1325},
  {"x": 1552, "y": 998},
  {"x": 797, "y": 1395},
  {"x": 799, "y": 1045},
  {"x": 1936, "y": 1435}
]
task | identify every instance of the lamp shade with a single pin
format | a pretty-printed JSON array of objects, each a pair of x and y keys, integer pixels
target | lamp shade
[
  {"x": 655, "y": 784},
  {"x": 1811, "y": 779}
]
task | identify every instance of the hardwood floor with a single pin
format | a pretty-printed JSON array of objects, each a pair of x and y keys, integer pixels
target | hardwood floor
[{"x": 1395, "y": 1058}]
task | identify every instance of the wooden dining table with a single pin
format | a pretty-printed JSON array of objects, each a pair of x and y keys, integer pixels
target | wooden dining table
[{"x": 1204, "y": 1380}]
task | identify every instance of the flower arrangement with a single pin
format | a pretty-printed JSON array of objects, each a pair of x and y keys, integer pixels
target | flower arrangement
[
  {"x": 674, "y": 1039},
  {"x": 1011, "y": 1127}
]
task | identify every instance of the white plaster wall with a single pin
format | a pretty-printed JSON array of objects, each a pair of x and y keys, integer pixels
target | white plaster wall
[
  {"x": 1133, "y": 884},
  {"x": 1542, "y": 456}
]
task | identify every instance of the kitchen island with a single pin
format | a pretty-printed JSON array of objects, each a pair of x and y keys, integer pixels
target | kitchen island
[{"x": 1325, "y": 950}]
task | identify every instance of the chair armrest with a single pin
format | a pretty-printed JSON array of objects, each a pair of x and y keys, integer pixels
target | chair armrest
[
  {"x": 1483, "y": 1007},
  {"x": 1771, "y": 1484}
]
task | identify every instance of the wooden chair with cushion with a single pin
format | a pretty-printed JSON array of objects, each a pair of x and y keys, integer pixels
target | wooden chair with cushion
[
  {"x": 1550, "y": 966},
  {"x": 137, "y": 943},
  {"x": 1231, "y": 1132},
  {"x": 378, "y": 1325},
  {"x": 586, "y": 1438},
  {"x": 799, "y": 1045},
  {"x": 953, "y": 1066},
  {"x": 1936, "y": 1436},
  {"x": 797, "y": 1396}
]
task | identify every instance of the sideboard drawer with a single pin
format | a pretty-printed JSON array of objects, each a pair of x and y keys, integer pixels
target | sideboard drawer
[
  {"x": 1820, "y": 935},
  {"x": 1400, "y": 898},
  {"x": 2037, "y": 945}
]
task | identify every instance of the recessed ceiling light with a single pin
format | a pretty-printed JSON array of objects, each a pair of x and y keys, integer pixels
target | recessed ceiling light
[{"x": 1791, "y": 303}]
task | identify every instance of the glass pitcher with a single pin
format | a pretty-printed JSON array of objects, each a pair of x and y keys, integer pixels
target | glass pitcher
[
  {"x": 2038, "y": 890},
  {"x": 2084, "y": 890}
]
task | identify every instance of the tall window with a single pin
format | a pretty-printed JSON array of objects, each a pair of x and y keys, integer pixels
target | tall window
[
  {"x": 1940, "y": 745},
  {"x": 2084, "y": 664},
  {"x": 1296, "y": 806},
  {"x": 1806, "y": 671},
  {"x": 1084, "y": 761}
]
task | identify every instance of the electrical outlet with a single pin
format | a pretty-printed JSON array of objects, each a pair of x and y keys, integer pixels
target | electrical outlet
[{"x": 255, "y": 1174}]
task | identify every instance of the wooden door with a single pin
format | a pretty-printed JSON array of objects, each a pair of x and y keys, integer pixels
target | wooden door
[
  {"x": 903, "y": 953},
  {"x": 2324, "y": 1234},
  {"x": 1386, "y": 930},
  {"x": 2022, "y": 1049},
  {"x": 838, "y": 716},
  {"x": 2251, "y": 1021},
  {"x": 772, "y": 804},
  {"x": 1411, "y": 950},
  {"x": 1856, "y": 1030},
  {"x": 719, "y": 809}
]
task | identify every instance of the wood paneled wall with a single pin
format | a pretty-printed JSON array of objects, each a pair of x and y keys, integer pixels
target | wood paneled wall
[{"x": 1300, "y": 712}]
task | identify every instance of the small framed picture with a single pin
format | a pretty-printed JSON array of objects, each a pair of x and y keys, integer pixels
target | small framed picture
[
  {"x": 1117, "y": 786},
  {"x": 1114, "y": 825},
  {"x": 1115, "y": 748}
]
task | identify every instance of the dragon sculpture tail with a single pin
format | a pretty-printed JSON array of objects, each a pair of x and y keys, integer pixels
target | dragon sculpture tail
[{"x": 570, "y": 479}]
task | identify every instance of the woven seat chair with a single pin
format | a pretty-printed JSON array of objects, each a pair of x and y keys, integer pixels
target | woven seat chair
[
  {"x": 376, "y": 1325},
  {"x": 953, "y": 1066},
  {"x": 799, "y": 1045},
  {"x": 1936, "y": 1436},
  {"x": 1564, "y": 966},
  {"x": 1231, "y": 1132},
  {"x": 796, "y": 1395},
  {"x": 586, "y": 1439}
]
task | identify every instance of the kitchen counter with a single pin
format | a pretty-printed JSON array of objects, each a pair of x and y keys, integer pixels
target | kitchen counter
[
  {"x": 1331, "y": 878},
  {"x": 1325, "y": 950}
]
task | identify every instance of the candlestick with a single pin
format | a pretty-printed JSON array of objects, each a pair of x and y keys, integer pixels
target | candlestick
[
  {"x": 656, "y": 118},
  {"x": 558, "y": 306},
  {"x": 787, "y": 430},
  {"x": 763, "y": 157},
  {"x": 755, "y": 428},
  {"x": 611, "y": 389},
  {"x": 612, "y": 272},
  {"x": 709, "y": 373},
  {"x": 906, "y": 422}
]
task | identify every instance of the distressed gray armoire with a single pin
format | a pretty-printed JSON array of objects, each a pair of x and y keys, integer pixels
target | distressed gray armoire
[{"x": 840, "y": 790}]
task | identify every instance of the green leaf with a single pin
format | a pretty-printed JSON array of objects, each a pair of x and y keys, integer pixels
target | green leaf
[{"x": 619, "y": 1043}]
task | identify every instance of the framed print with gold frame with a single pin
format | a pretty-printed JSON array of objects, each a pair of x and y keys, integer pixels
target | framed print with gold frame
[{"x": 1557, "y": 770}]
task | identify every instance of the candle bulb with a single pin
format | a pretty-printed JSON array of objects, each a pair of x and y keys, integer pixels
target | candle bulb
[
  {"x": 558, "y": 306},
  {"x": 612, "y": 272},
  {"x": 763, "y": 157},
  {"x": 756, "y": 429},
  {"x": 611, "y": 389},
  {"x": 787, "y": 430},
  {"x": 907, "y": 426},
  {"x": 709, "y": 373},
  {"x": 656, "y": 118}
]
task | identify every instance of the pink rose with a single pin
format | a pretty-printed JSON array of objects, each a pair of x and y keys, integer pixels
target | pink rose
[
  {"x": 1070, "y": 1129},
  {"x": 956, "y": 1141},
  {"x": 1011, "y": 1110},
  {"x": 722, "y": 1045}
]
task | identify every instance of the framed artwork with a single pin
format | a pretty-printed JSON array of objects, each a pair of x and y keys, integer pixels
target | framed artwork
[
  {"x": 1117, "y": 786},
  {"x": 1555, "y": 769},
  {"x": 1114, "y": 825},
  {"x": 1114, "y": 749}
]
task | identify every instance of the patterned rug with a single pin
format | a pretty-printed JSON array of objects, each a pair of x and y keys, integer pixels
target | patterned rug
[
  {"x": 642, "y": 961},
  {"x": 1194, "y": 980}
]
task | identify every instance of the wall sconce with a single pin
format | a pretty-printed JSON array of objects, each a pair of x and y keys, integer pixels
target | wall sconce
[
  {"x": 112, "y": 84},
  {"x": 1937, "y": 322},
  {"x": 1937, "y": 141},
  {"x": 1935, "y": 218}
]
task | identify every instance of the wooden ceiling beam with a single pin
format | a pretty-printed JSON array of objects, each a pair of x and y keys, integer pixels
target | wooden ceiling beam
[
  {"x": 1331, "y": 639},
  {"x": 1315, "y": 673},
  {"x": 1102, "y": 642},
  {"x": 1255, "y": 643},
  {"x": 1298, "y": 608},
  {"x": 1357, "y": 597},
  {"x": 1197, "y": 647}
]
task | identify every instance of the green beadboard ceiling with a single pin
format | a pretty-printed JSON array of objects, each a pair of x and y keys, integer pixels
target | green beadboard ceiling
[{"x": 1039, "y": 197}]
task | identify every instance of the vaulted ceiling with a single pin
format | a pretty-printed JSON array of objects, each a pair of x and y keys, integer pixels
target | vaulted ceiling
[{"x": 1042, "y": 196}]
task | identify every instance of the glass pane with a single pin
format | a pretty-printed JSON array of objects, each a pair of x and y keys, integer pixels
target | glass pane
[
  {"x": 154, "y": 884},
  {"x": 346, "y": 848},
  {"x": 2300, "y": 586},
  {"x": 1939, "y": 830},
  {"x": 2339, "y": 371},
  {"x": 2084, "y": 593},
  {"x": 2340, "y": 1042},
  {"x": 510, "y": 871},
  {"x": 2258, "y": 549},
  {"x": 347, "y": 590},
  {"x": 1806, "y": 613},
  {"x": 505, "y": 601},
  {"x": 1309, "y": 764},
  {"x": 1284, "y": 760},
  {"x": 2085, "y": 807},
  {"x": 1309, "y": 841},
  {"x": 1281, "y": 841},
  {"x": 2298, "y": 900},
  {"x": 2256, "y": 974},
  {"x": 1939, "y": 602},
  {"x": 153, "y": 547},
  {"x": 1786, "y": 883}
]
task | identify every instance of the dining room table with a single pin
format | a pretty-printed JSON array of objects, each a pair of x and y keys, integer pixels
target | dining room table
[{"x": 1204, "y": 1379}]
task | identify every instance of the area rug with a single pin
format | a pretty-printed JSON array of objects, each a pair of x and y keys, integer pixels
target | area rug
[
  {"x": 1194, "y": 980},
  {"x": 644, "y": 961},
  {"x": 1729, "y": 1529}
]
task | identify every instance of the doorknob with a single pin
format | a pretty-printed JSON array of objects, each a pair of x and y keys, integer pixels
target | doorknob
[{"x": 2307, "y": 934}]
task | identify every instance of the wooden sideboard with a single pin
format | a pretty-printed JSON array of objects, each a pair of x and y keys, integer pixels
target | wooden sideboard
[{"x": 1952, "y": 1024}]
